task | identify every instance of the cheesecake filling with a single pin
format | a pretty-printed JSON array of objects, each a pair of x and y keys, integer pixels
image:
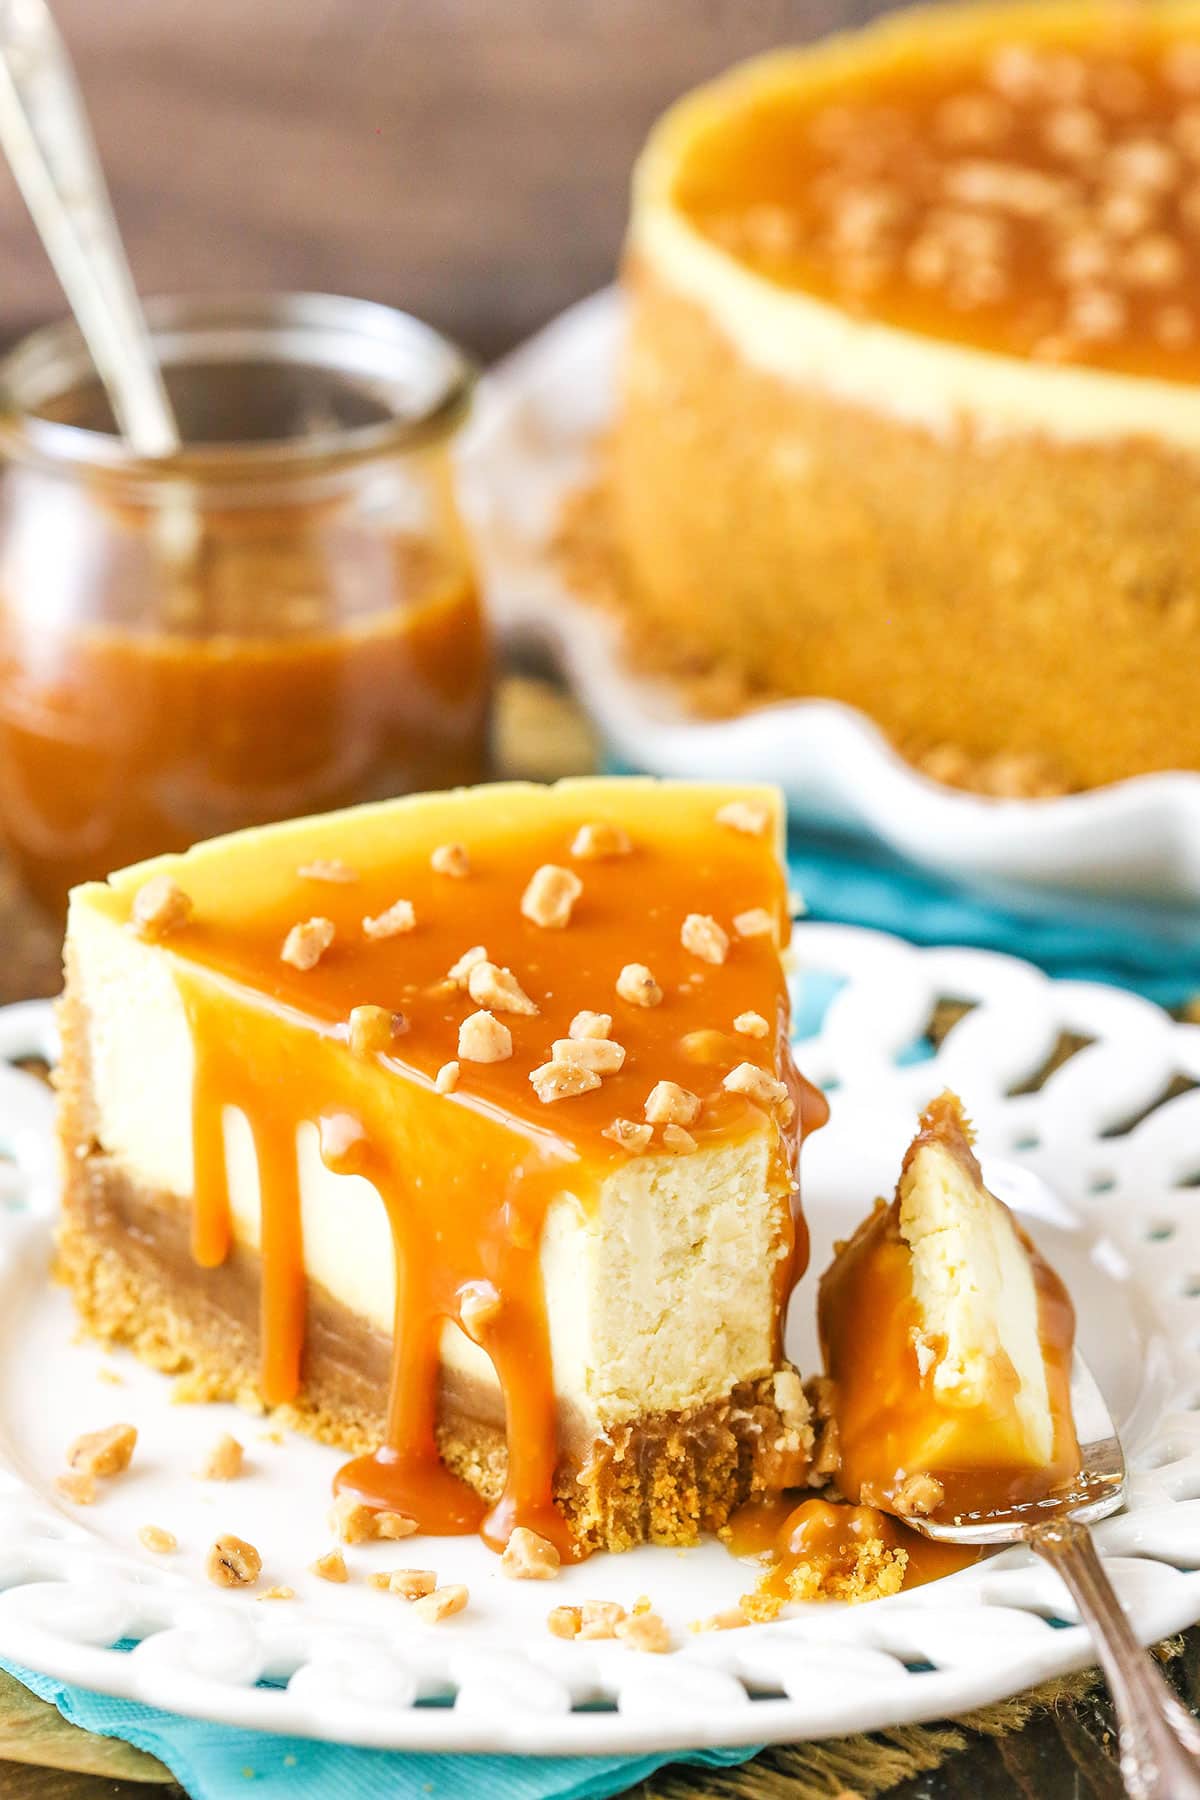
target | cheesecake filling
[
  {"x": 476, "y": 1170},
  {"x": 948, "y": 1340}
]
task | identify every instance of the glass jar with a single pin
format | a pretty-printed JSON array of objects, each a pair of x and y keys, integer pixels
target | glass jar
[{"x": 279, "y": 620}]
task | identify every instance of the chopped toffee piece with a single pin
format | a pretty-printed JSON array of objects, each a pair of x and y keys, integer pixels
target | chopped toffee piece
[
  {"x": 232, "y": 1562},
  {"x": 306, "y": 944},
  {"x": 160, "y": 906},
  {"x": 550, "y": 898}
]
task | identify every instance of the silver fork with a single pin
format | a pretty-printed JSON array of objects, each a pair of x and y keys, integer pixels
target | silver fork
[{"x": 1159, "y": 1738}]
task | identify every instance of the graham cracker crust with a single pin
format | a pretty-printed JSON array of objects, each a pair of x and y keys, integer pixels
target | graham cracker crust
[{"x": 125, "y": 1254}]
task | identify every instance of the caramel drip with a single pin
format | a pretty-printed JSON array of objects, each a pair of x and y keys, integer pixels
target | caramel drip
[
  {"x": 284, "y": 1290},
  {"x": 829, "y": 1535}
]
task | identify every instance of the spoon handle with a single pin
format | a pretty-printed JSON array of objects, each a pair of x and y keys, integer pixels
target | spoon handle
[
  {"x": 46, "y": 136},
  {"x": 1159, "y": 1738}
]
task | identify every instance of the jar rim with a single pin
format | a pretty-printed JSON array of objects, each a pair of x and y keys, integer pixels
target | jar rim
[{"x": 422, "y": 379}]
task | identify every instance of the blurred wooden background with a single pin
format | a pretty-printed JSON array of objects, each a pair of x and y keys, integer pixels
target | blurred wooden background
[{"x": 467, "y": 159}]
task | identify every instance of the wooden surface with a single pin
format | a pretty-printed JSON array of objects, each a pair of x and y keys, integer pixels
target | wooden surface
[{"x": 468, "y": 159}]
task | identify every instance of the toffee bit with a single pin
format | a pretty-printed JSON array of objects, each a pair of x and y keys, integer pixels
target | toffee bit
[
  {"x": 499, "y": 990},
  {"x": 669, "y": 1104},
  {"x": 330, "y": 1567},
  {"x": 599, "y": 1054},
  {"x": 391, "y": 1526},
  {"x": 232, "y": 1562},
  {"x": 529, "y": 1557},
  {"x": 751, "y": 1024},
  {"x": 458, "y": 974},
  {"x": 600, "y": 1618},
  {"x": 744, "y": 816},
  {"x": 351, "y": 1521},
  {"x": 590, "y": 1025},
  {"x": 330, "y": 868},
  {"x": 223, "y": 1461},
  {"x": 443, "y": 1603},
  {"x": 563, "y": 1621},
  {"x": 156, "y": 1539},
  {"x": 452, "y": 860},
  {"x": 373, "y": 1030},
  {"x": 644, "y": 1631},
  {"x": 76, "y": 1486},
  {"x": 701, "y": 936},
  {"x": 550, "y": 897},
  {"x": 757, "y": 1085},
  {"x": 278, "y": 1593},
  {"x": 446, "y": 1079},
  {"x": 562, "y": 1081},
  {"x": 636, "y": 984},
  {"x": 629, "y": 1135},
  {"x": 399, "y": 918},
  {"x": 918, "y": 1495},
  {"x": 730, "y": 1620},
  {"x": 306, "y": 944},
  {"x": 160, "y": 906},
  {"x": 106, "y": 1452},
  {"x": 677, "y": 1140},
  {"x": 756, "y": 922},
  {"x": 482, "y": 1038},
  {"x": 599, "y": 841},
  {"x": 411, "y": 1584}
]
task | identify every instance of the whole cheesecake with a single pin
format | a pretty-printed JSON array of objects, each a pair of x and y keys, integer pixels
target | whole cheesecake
[{"x": 909, "y": 413}]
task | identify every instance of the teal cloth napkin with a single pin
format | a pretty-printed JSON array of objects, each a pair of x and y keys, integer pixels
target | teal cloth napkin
[
  {"x": 841, "y": 879},
  {"x": 213, "y": 1762}
]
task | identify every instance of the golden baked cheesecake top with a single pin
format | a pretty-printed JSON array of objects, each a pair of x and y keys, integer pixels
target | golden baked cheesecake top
[
  {"x": 948, "y": 1340},
  {"x": 1026, "y": 185},
  {"x": 481, "y": 1000}
]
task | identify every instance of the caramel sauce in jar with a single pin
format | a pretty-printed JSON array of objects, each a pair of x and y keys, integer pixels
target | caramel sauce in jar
[{"x": 280, "y": 620}]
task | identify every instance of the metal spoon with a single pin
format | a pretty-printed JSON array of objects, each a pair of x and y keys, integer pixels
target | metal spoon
[
  {"x": 49, "y": 144},
  {"x": 1159, "y": 1738}
]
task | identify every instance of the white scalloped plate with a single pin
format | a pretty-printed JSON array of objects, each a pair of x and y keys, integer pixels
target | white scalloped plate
[
  {"x": 352, "y": 1664},
  {"x": 537, "y": 422}
]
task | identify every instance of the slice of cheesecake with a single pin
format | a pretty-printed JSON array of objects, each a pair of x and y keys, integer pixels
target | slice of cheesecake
[
  {"x": 463, "y": 1128},
  {"x": 948, "y": 1340}
]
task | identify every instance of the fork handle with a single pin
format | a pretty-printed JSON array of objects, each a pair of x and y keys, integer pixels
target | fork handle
[{"x": 1159, "y": 1738}]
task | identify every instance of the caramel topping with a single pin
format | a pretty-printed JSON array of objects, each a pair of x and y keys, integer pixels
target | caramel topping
[
  {"x": 1039, "y": 199},
  {"x": 451, "y": 1125}
]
